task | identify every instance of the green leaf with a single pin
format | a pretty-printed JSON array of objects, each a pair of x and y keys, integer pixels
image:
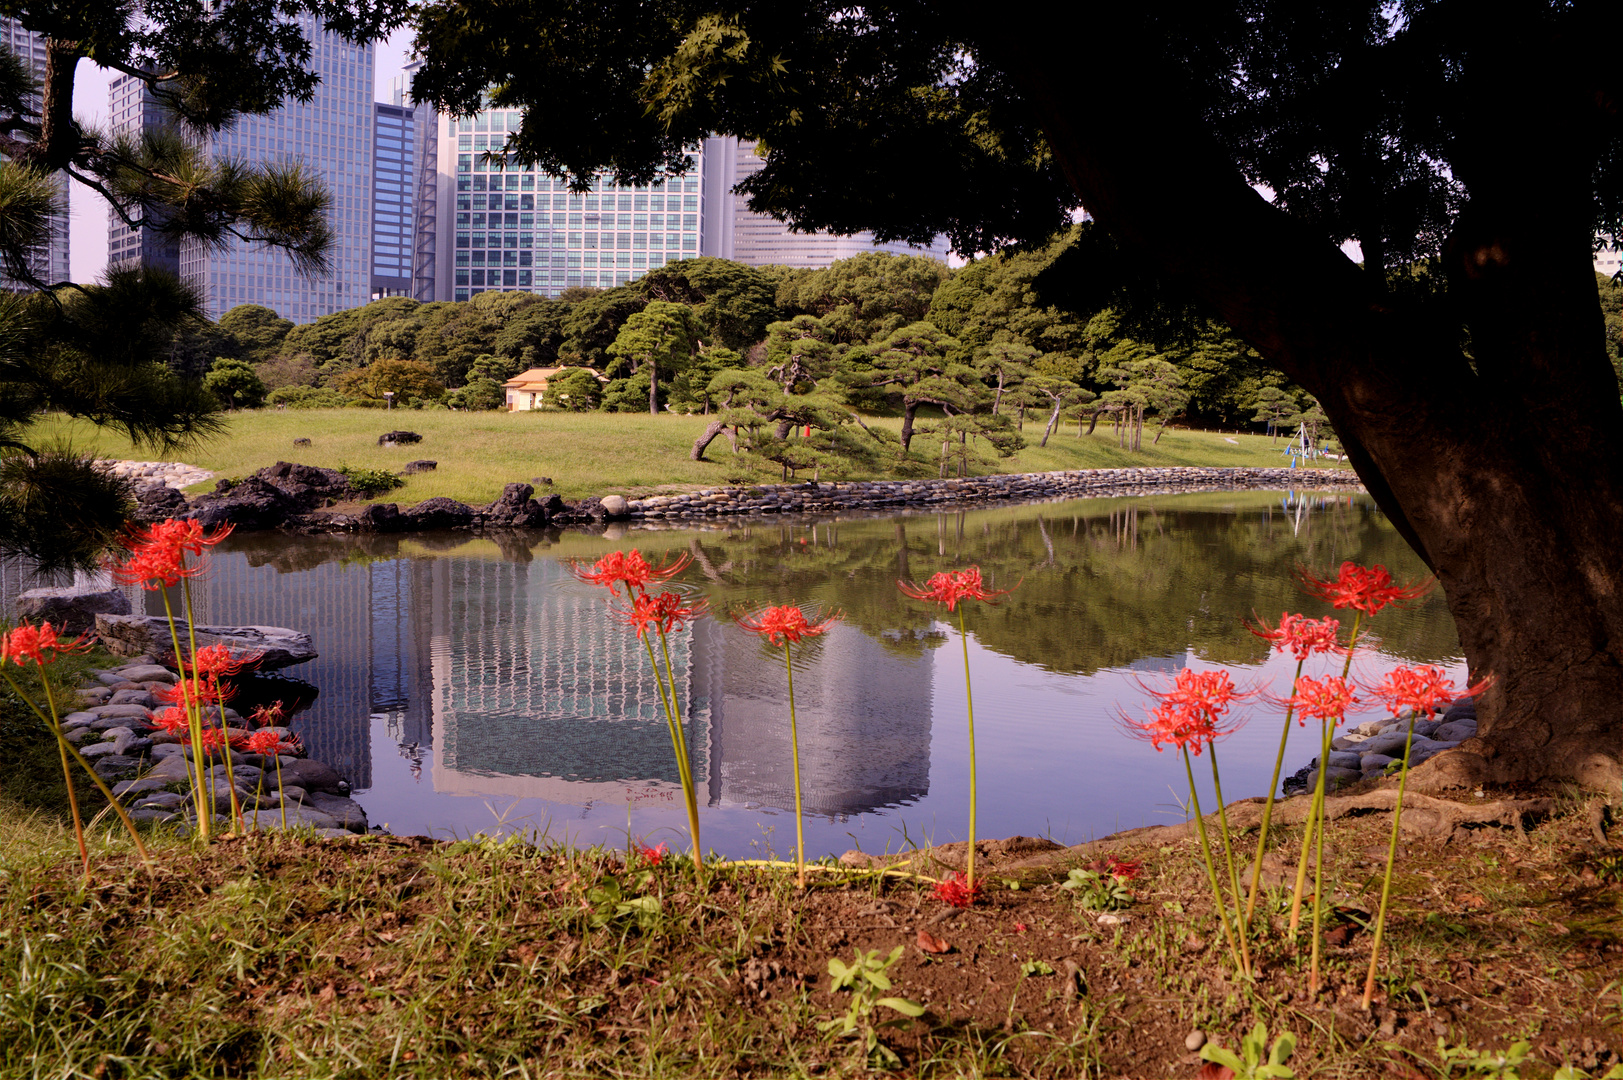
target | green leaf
[
  {"x": 1283, "y": 1047},
  {"x": 902, "y": 1005},
  {"x": 1035, "y": 967},
  {"x": 1213, "y": 1052}
]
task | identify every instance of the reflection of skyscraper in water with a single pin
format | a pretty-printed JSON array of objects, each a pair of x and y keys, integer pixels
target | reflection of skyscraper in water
[
  {"x": 538, "y": 693},
  {"x": 332, "y": 603},
  {"x": 863, "y": 715},
  {"x": 399, "y": 653}
]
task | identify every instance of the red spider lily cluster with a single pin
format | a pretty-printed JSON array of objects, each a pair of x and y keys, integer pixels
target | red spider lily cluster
[
  {"x": 158, "y": 553},
  {"x": 785, "y": 624},
  {"x": 1421, "y": 690},
  {"x": 629, "y": 569},
  {"x": 652, "y": 856},
  {"x": 1123, "y": 870},
  {"x": 41, "y": 644},
  {"x": 1327, "y": 699},
  {"x": 663, "y": 614},
  {"x": 1300, "y": 636},
  {"x": 951, "y": 586},
  {"x": 1363, "y": 588},
  {"x": 1192, "y": 714},
  {"x": 955, "y": 889}
]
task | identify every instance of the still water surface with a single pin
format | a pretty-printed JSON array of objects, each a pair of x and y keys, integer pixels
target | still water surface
[{"x": 469, "y": 685}]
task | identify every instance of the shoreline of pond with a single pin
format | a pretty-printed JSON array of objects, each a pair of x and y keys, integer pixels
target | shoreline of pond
[{"x": 299, "y": 499}]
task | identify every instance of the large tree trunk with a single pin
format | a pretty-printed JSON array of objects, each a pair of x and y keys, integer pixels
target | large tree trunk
[
  {"x": 908, "y": 412},
  {"x": 711, "y": 430},
  {"x": 1505, "y": 472},
  {"x": 653, "y": 387},
  {"x": 1053, "y": 418}
]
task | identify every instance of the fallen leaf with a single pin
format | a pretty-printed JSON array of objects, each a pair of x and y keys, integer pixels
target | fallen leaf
[
  {"x": 1472, "y": 900},
  {"x": 1340, "y": 936},
  {"x": 928, "y": 942},
  {"x": 1559, "y": 928},
  {"x": 328, "y": 994}
]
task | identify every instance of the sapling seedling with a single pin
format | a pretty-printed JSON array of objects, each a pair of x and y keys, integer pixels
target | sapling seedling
[
  {"x": 1248, "y": 1063},
  {"x": 862, "y": 979}
]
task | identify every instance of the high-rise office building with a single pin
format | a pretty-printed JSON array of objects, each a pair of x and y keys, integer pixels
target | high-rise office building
[
  {"x": 758, "y": 240},
  {"x": 331, "y": 135},
  {"x": 133, "y": 109},
  {"x": 502, "y": 225},
  {"x": 394, "y": 143},
  {"x": 50, "y": 262}
]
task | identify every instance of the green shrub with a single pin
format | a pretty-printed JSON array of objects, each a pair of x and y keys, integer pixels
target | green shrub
[
  {"x": 371, "y": 482},
  {"x": 306, "y": 397}
]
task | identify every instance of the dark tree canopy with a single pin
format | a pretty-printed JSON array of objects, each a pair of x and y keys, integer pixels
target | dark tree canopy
[{"x": 1475, "y": 160}]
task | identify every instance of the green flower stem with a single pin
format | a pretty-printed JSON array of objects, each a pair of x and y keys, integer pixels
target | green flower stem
[
  {"x": 194, "y": 725},
  {"x": 1391, "y": 858},
  {"x": 794, "y": 751},
  {"x": 69, "y": 748},
  {"x": 685, "y": 763},
  {"x": 1316, "y": 811},
  {"x": 969, "y": 703},
  {"x": 67, "y": 771},
  {"x": 230, "y": 772},
  {"x": 1228, "y": 854},
  {"x": 281, "y": 800},
  {"x": 1268, "y": 806},
  {"x": 1211, "y": 867},
  {"x": 1318, "y": 863}
]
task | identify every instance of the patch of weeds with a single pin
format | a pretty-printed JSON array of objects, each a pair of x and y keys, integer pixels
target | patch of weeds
[
  {"x": 1248, "y": 1063},
  {"x": 861, "y": 980},
  {"x": 371, "y": 482},
  {"x": 1469, "y": 1064},
  {"x": 1096, "y": 891},
  {"x": 1608, "y": 867}
]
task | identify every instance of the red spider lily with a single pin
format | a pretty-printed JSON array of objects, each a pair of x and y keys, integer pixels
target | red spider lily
[
  {"x": 652, "y": 856},
  {"x": 956, "y": 890},
  {"x": 41, "y": 644},
  {"x": 952, "y": 586},
  {"x": 664, "y": 613},
  {"x": 1300, "y": 636},
  {"x": 215, "y": 739},
  {"x": 264, "y": 742},
  {"x": 628, "y": 567},
  {"x": 172, "y": 720},
  {"x": 785, "y": 624},
  {"x": 1366, "y": 589},
  {"x": 158, "y": 553},
  {"x": 1123, "y": 869},
  {"x": 1021, "y": 928},
  {"x": 195, "y": 691},
  {"x": 268, "y": 715},
  {"x": 1421, "y": 690},
  {"x": 1328, "y": 698},
  {"x": 295, "y": 745},
  {"x": 216, "y": 660},
  {"x": 1189, "y": 716}
]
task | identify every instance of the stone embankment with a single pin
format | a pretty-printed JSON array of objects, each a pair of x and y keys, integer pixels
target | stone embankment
[
  {"x": 304, "y": 499},
  {"x": 175, "y": 474},
  {"x": 149, "y": 769},
  {"x": 1372, "y": 748}
]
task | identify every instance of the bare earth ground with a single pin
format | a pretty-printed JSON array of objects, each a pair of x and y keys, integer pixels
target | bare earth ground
[{"x": 382, "y": 956}]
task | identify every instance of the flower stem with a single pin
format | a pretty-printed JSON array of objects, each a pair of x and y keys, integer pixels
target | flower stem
[
  {"x": 194, "y": 722},
  {"x": 794, "y": 751},
  {"x": 1313, "y": 811},
  {"x": 1268, "y": 806},
  {"x": 969, "y": 704},
  {"x": 1211, "y": 867},
  {"x": 1228, "y": 854},
  {"x": 1391, "y": 858},
  {"x": 1318, "y": 863},
  {"x": 683, "y": 763}
]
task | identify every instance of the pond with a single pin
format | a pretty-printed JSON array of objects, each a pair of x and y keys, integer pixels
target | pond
[{"x": 473, "y": 685}]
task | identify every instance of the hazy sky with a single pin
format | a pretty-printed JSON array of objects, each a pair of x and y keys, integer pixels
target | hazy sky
[{"x": 88, "y": 245}]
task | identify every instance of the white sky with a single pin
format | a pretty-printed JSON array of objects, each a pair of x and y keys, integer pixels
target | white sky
[{"x": 87, "y": 210}]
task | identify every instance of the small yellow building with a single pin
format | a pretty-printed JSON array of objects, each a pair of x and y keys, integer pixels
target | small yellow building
[{"x": 528, "y": 389}]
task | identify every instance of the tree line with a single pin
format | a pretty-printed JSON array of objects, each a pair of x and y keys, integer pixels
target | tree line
[{"x": 974, "y": 359}]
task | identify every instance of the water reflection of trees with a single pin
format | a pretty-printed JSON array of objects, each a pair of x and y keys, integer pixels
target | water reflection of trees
[{"x": 1104, "y": 582}]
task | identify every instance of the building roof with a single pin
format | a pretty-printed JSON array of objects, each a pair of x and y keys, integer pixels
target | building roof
[{"x": 533, "y": 379}]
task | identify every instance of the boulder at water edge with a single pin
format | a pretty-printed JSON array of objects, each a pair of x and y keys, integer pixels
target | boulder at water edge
[
  {"x": 272, "y": 647},
  {"x": 71, "y": 609}
]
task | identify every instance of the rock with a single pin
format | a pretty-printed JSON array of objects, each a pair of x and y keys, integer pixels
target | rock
[
  {"x": 171, "y": 770},
  {"x": 1426, "y": 728},
  {"x": 613, "y": 506},
  {"x": 1334, "y": 778},
  {"x": 1376, "y": 762},
  {"x": 95, "y": 695},
  {"x": 78, "y": 720},
  {"x": 272, "y": 495},
  {"x": 301, "y": 442},
  {"x": 80, "y": 736},
  {"x": 71, "y": 609},
  {"x": 1194, "y": 1041},
  {"x": 515, "y": 509},
  {"x": 163, "y": 800},
  {"x": 161, "y": 750},
  {"x": 297, "y": 817},
  {"x": 142, "y": 698},
  {"x": 414, "y": 467},
  {"x": 1456, "y": 731},
  {"x": 382, "y": 517},
  {"x": 313, "y": 776},
  {"x": 439, "y": 513},
  {"x": 292, "y": 794},
  {"x": 1463, "y": 709},
  {"x": 271, "y": 647},
  {"x": 1344, "y": 760},
  {"x": 1389, "y": 743},
  {"x": 153, "y": 815},
  {"x": 144, "y": 786},
  {"x": 117, "y": 767},
  {"x": 148, "y": 673},
  {"x": 347, "y": 812},
  {"x": 399, "y": 438},
  {"x": 128, "y": 742},
  {"x": 1367, "y": 728},
  {"x": 121, "y": 713},
  {"x": 96, "y": 750}
]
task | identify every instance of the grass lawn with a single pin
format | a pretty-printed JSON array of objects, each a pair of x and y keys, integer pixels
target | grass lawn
[{"x": 585, "y": 454}]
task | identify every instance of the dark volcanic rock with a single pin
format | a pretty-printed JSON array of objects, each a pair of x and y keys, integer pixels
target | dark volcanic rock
[
  {"x": 382, "y": 517},
  {"x": 399, "y": 438},
  {"x": 271, "y": 647},
  {"x": 414, "y": 467},
  {"x": 439, "y": 513},
  {"x": 71, "y": 609},
  {"x": 272, "y": 495},
  {"x": 156, "y": 502},
  {"x": 515, "y": 509}
]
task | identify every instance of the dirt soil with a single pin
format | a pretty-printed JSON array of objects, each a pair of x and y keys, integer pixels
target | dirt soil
[{"x": 1499, "y": 933}]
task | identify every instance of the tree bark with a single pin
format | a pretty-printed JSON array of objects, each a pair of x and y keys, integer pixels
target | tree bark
[
  {"x": 653, "y": 387},
  {"x": 908, "y": 412},
  {"x": 711, "y": 430},
  {"x": 1506, "y": 472},
  {"x": 1053, "y": 419},
  {"x": 58, "y": 135}
]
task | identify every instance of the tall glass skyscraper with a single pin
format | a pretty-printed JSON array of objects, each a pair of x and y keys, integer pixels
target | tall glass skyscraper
[
  {"x": 505, "y": 226},
  {"x": 50, "y": 262},
  {"x": 132, "y": 109},
  {"x": 332, "y": 136},
  {"x": 394, "y": 144}
]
